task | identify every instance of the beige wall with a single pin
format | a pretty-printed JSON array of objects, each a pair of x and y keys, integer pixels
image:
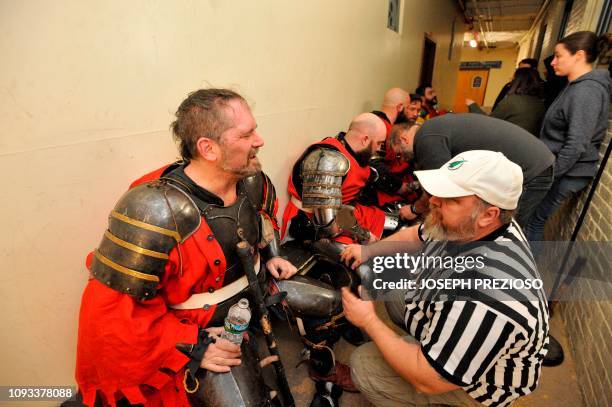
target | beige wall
[
  {"x": 498, "y": 77},
  {"x": 87, "y": 91}
]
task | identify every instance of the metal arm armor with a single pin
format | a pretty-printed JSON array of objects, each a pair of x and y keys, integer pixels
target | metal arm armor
[
  {"x": 322, "y": 172},
  {"x": 262, "y": 195},
  {"x": 145, "y": 225}
]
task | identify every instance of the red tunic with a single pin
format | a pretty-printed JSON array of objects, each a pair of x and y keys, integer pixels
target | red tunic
[
  {"x": 370, "y": 218},
  {"x": 401, "y": 168},
  {"x": 126, "y": 348},
  {"x": 431, "y": 112}
]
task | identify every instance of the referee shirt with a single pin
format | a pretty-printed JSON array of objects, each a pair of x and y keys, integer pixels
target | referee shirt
[{"x": 489, "y": 342}]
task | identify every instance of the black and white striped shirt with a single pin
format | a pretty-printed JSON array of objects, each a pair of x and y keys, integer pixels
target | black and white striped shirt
[{"x": 489, "y": 342}]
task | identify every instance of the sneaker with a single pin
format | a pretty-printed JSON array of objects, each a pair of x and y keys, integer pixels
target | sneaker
[{"x": 340, "y": 375}]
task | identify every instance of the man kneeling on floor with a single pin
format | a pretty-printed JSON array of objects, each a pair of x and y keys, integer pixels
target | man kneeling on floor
[{"x": 470, "y": 347}]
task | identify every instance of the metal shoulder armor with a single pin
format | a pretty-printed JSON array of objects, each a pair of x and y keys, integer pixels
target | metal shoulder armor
[
  {"x": 261, "y": 192},
  {"x": 262, "y": 195},
  {"x": 146, "y": 223},
  {"x": 322, "y": 172}
]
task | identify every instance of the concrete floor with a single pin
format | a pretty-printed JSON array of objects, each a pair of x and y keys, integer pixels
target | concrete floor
[{"x": 558, "y": 386}]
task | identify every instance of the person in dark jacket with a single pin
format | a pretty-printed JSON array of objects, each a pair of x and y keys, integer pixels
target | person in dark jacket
[
  {"x": 525, "y": 63},
  {"x": 523, "y": 105},
  {"x": 441, "y": 138},
  {"x": 554, "y": 83},
  {"x": 575, "y": 124}
]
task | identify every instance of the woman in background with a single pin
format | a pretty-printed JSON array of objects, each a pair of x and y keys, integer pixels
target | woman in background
[
  {"x": 575, "y": 124},
  {"x": 523, "y": 106}
]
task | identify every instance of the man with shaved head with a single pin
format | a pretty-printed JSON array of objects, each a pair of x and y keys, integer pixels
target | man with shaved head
[
  {"x": 395, "y": 105},
  {"x": 330, "y": 175},
  {"x": 393, "y": 181}
]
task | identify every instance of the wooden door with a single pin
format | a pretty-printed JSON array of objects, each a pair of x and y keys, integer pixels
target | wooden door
[{"x": 471, "y": 84}]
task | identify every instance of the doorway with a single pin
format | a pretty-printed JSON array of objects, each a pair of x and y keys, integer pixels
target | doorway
[
  {"x": 427, "y": 64},
  {"x": 471, "y": 84}
]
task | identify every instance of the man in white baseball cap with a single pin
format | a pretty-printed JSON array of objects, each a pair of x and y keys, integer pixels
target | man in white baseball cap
[
  {"x": 465, "y": 352},
  {"x": 472, "y": 195}
]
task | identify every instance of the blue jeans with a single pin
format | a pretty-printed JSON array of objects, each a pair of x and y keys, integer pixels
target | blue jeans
[
  {"x": 534, "y": 192},
  {"x": 558, "y": 193}
]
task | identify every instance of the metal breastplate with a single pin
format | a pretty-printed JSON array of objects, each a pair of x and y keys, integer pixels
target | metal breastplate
[{"x": 226, "y": 222}]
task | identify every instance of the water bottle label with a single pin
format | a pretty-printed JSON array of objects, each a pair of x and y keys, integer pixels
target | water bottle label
[{"x": 235, "y": 328}]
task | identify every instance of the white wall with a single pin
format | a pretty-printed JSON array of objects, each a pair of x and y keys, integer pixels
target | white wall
[{"x": 88, "y": 89}]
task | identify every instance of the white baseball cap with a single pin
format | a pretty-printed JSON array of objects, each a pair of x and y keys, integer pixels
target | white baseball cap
[{"x": 487, "y": 174}]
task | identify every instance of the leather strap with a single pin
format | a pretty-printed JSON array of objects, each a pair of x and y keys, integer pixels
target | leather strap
[{"x": 197, "y": 301}]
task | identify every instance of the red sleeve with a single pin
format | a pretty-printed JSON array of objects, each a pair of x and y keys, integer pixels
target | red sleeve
[
  {"x": 128, "y": 347},
  {"x": 370, "y": 218},
  {"x": 124, "y": 343},
  {"x": 153, "y": 175}
]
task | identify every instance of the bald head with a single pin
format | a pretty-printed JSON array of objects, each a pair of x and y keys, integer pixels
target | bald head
[
  {"x": 365, "y": 136},
  {"x": 396, "y": 96},
  {"x": 368, "y": 124},
  {"x": 396, "y": 102}
]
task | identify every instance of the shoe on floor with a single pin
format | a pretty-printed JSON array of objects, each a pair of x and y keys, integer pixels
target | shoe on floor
[
  {"x": 340, "y": 375},
  {"x": 327, "y": 395},
  {"x": 555, "y": 356}
]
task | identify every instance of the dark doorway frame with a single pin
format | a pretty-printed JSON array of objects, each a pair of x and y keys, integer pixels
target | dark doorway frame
[
  {"x": 538, "y": 50},
  {"x": 428, "y": 61}
]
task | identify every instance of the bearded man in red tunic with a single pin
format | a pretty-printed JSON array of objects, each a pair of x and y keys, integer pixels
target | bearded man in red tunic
[
  {"x": 326, "y": 183},
  {"x": 167, "y": 271}
]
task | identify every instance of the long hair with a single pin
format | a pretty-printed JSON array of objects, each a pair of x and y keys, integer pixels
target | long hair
[{"x": 526, "y": 82}]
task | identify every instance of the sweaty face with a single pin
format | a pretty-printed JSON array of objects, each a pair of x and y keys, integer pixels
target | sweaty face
[
  {"x": 240, "y": 143},
  {"x": 452, "y": 219},
  {"x": 564, "y": 61}
]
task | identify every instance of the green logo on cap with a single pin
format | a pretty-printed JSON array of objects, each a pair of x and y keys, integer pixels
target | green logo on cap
[{"x": 456, "y": 164}]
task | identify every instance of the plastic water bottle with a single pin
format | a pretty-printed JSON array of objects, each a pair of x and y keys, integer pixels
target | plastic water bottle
[{"x": 237, "y": 321}]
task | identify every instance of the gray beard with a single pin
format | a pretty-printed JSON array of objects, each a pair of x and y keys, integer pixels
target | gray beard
[
  {"x": 242, "y": 172},
  {"x": 435, "y": 230}
]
